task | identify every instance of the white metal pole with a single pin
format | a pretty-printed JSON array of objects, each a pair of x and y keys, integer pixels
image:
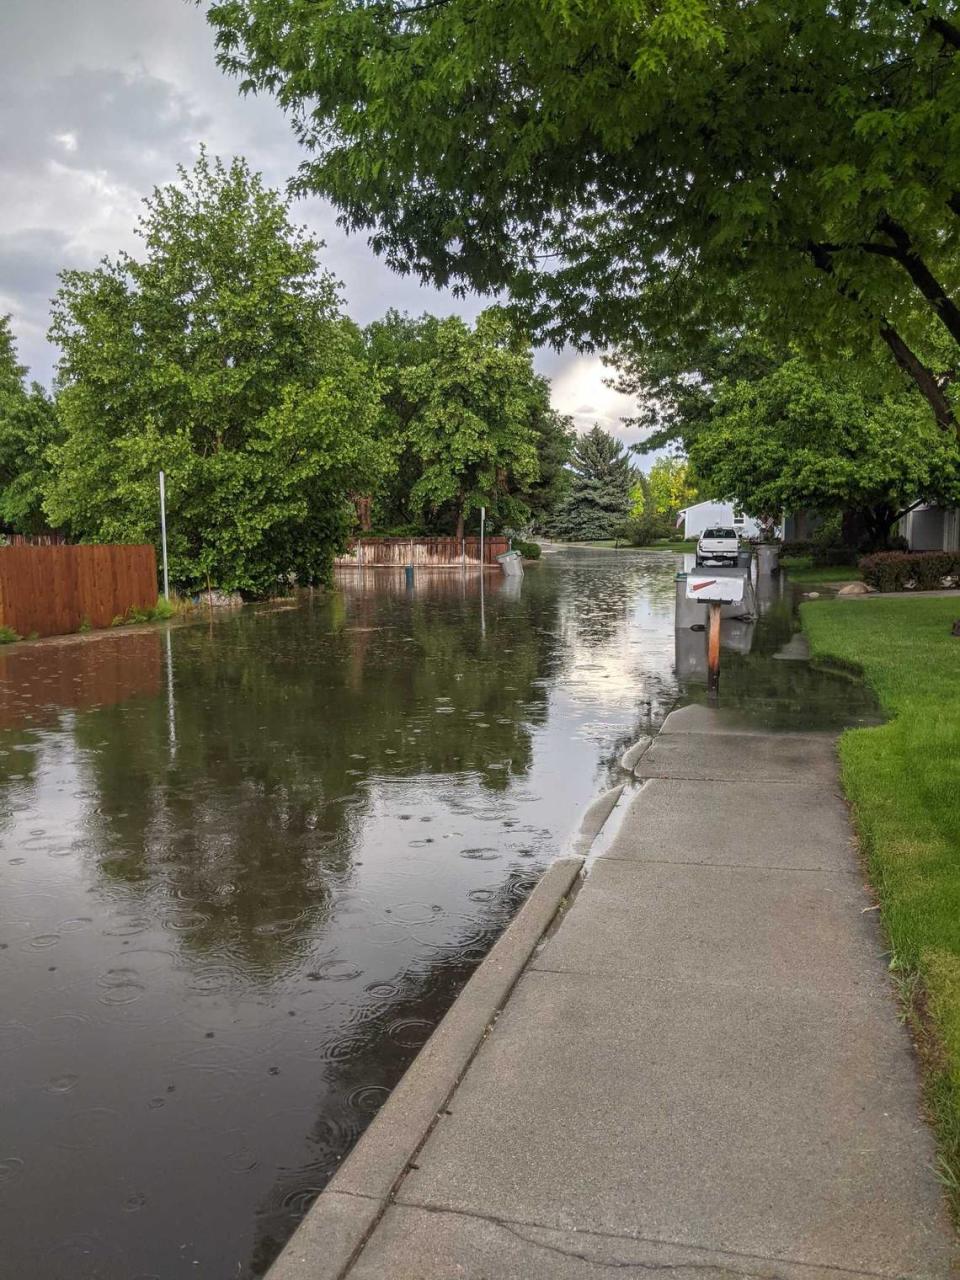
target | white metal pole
[
  {"x": 483, "y": 517},
  {"x": 163, "y": 535}
]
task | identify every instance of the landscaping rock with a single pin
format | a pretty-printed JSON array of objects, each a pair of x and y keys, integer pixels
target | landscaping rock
[
  {"x": 219, "y": 599},
  {"x": 854, "y": 589},
  {"x": 955, "y": 629},
  {"x": 812, "y": 595}
]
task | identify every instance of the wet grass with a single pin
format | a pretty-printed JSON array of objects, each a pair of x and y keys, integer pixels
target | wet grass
[
  {"x": 903, "y": 781},
  {"x": 662, "y": 545},
  {"x": 689, "y": 546},
  {"x": 802, "y": 569},
  {"x": 162, "y": 611}
]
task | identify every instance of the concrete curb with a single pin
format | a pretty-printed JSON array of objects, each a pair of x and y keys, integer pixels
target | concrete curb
[
  {"x": 631, "y": 757},
  {"x": 594, "y": 820},
  {"x": 337, "y": 1226}
]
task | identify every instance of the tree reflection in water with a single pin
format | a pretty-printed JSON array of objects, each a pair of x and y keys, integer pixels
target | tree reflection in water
[{"x": 242, "y": 888}]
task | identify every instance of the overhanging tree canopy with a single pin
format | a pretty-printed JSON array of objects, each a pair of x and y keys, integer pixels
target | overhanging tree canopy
[{"x": 597, "y": 157}]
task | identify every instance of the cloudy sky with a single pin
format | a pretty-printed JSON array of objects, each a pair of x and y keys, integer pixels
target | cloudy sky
[{"x": 99, "y": 102}]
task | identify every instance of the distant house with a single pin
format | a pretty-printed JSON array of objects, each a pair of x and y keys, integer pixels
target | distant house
[
  {"x": 705, "y": 515},
  {"x": 929, "y": 528}
]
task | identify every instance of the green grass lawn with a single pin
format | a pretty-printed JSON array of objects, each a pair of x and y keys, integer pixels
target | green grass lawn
[
  {"x": 663, "y": 545},
  {"x": 903, "y": 781},
  {"x": 802, "y": 569}
]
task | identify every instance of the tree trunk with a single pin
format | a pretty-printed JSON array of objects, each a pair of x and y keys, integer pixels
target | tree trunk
[
  {"x": 460, "y": 521},
  {"x": 868, "y": 528}
]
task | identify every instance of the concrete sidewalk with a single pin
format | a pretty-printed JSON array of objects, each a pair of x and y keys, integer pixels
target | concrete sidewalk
[{"x": 700, "y": 1074}]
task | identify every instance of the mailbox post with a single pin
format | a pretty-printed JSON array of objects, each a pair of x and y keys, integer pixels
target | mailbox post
[
  {"x": 715, "y": 592},
  {"x": 713, "y": 648}
]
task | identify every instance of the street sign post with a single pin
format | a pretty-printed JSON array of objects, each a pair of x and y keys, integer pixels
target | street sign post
[{"x": 163, "y": 534}]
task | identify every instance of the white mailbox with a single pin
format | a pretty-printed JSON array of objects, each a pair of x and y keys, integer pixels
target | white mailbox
[{"x": 714, "y": 590}]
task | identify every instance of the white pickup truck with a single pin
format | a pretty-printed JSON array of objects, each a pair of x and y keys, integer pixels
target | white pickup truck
[{"x": 718, "y": 546}]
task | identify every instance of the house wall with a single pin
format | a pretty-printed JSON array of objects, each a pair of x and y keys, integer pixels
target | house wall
[
  {"x": 932, "y": 529},
  {"x": 706, "y": 514}
]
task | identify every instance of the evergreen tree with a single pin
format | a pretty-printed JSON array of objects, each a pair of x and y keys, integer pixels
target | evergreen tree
[{"x": 601, "y": 489}]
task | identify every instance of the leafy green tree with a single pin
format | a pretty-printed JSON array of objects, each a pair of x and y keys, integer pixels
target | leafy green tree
[
  {"x": 601, "y": 488},
  {"x": 462, "y": 417},
  {"x": 640, "y": 497},
  {"x": 799, "y": 438},
  {"x": 28, "y": 427},
  {"x": 673, "y": 384},
  {"x": 219, "y": 355},
  {"x": 671, "y": 486},
  {"x": 596, "y": 158}
]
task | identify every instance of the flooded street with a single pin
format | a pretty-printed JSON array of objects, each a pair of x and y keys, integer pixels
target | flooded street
[{"x": 246, "y": 866}]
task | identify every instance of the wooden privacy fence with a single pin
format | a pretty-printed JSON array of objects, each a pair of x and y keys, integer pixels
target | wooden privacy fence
[
  {"x": 426, "y": 553},
  {"x": 51, "y": 591}
]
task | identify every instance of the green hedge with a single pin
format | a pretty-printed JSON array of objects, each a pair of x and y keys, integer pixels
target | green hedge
[
  {"x": 529, "y": 550},
  {"x": 924, "y": 570},
  {"x": 821, "y": 553},
  {"x": 824, "y": 556}
]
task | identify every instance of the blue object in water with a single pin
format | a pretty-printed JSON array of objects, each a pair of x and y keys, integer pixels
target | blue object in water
[{"x": 408, "y": 574}]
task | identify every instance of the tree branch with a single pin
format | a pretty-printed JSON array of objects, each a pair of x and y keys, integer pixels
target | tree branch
[
  {"x": 912, "y": 507},
  {"x": 902, "y": 251},
  {"x": 921, "y": 275},
  {"x": 929, "y": 387},
  {"x": 907, "y": 359},
  {"x": 947, "y": 32}
]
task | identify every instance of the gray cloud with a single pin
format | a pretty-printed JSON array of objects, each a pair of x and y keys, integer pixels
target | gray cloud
[
  {"x": 29, "y": 261},
  {"x": 99, "y": 103},
  {"x": 104, "y": 120}
]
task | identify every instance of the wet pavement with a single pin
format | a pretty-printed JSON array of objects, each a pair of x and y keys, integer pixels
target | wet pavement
[
  {"x": 702, "y": 1070},
  {"x": 245, "y": 867}
]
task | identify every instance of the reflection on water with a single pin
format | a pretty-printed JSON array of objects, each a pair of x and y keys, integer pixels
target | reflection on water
[
  {"x": 246, "y": 866},
  {"x": 756, "y": 685}
]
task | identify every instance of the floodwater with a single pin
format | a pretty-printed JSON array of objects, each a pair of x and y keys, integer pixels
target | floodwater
[{"x": 246, "y": 866}]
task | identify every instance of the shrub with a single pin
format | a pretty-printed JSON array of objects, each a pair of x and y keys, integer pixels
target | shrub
[
  {"x": 823, "y": 555},
  {"x": 395, "y": 531},
  {"x": 8, "y": 635},
  {"x": 164, "y": 609},
  {"x": 924, "y": 570},
  {"x": 645, "y": 529},
  {"x": 529, "y": 550}
]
